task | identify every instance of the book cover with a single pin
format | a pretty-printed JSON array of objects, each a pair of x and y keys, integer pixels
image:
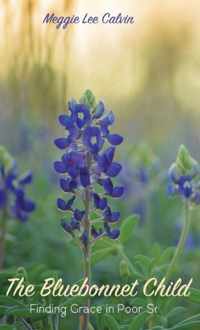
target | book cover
[{"x": 99, "y": 165}]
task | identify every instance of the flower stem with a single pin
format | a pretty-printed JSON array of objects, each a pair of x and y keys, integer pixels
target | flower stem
[
  {"x": 85, "y": 318},
  {"x": 182, "y": 240}
]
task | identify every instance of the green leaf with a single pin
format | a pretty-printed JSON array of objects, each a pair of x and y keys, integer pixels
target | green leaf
[
  {"x": 127, "y": 228},
  {"x": 194, "y": 296},
  {"x": 90, "y": 327},
  {"x": 138, "y": 322},
  {"x": 4, "y": 275},
  {"x": 25, "y": 313},
  {"x": 176, "y": 311},
  {"x": 163, "y": 259},
  {"x": 7, "y": 327},
  {"x": 104, "y": 242},
  {"x": 102, "y": 254},
  {"x": 110, "y": 323},
  {"x": 9, "y": 301},
  {"x": 144, "y": 263},
  {"x": 193, "y": 320}
]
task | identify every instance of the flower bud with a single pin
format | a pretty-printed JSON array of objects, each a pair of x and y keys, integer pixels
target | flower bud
[
  {"x": 185, "y": 163},
  {"x": 88, "y": 99},
  {"x": 5, "y": 159}
]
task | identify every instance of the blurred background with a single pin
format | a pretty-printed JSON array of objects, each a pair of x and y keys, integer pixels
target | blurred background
[{"x": 147, "y": 73}]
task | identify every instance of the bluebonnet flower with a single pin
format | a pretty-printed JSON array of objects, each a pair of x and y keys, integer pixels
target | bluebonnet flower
[
  {"x": 13, "y": 199},
  {"x": 87, "y": 168},
  {"x": 140, "y": 171},
  {"x": 184, "y": 178}
]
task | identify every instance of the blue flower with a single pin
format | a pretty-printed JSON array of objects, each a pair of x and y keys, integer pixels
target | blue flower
[
  {"x": 64, "y": 206},
  {"x": 105, "y": 122},
  {"x": 60, "y": 167},
  {"x": 81, "y": 115},
  {"x": 92, "y": 139},
  {"x": 13, "y": 197},
  {"x": 100, "y": 109},
  {"x": 182, "y": 186},
  {"x": 184, "y": 182},
  {"x": 66, "y": 121},
  {"x": 62, "y": 143},
  {"x": 88, "y": 162},
  {"x": 115, "y": 139},
  {"x": 68, "y": 184},
  {"x": 78, "y": 214},
  {"x": 84, "y": 176},
  {"x": 112, "y": 233},
  {"x": 110, "y": 216},
  {"x": 66, "y": 226},
  {"x": 96, "y": 233},
  {"x": 110, "y": 190},
  {"x": 99, "y": 203}
]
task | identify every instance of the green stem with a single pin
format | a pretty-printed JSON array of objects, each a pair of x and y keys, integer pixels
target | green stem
[
  {"x": 182, "y": 240},
  {"x": 50, "y": 322},
  {"x": 147, "y": 219}
]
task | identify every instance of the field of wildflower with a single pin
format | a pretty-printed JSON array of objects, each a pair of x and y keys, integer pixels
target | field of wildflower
[{"x": 99, "y": 167}]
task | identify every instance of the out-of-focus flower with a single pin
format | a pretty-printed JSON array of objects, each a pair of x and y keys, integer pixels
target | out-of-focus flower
[
  {"x": 184, "y": 177},
  {"x": 13, "y": 199},
  {"x": 139, "y": 171},
  {"x": 87, "y": 167}
]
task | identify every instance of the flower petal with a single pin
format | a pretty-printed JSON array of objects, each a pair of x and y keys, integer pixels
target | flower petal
[
  {"x": 26, "y": 178},
  {"x": 100, "y": 203},
  {"x": 114, "y": 233},
  {"x": 78, "y": 214},
  {"x": 114, "y": 169},
  {"x": 108, "y": 186},
  {"x": 61, "y": 143},
  {"x": 28, "y": 205},
  {"x": 75, "y": 224},
  {"x": 115, "y": 139},
  {"x": 105, "y": 159},
  {"x": 84, "y": 177},
  {"x": 117, "y": 192},
  {"x": 92, "y": 139},
  {"x": 61, "y": 204},
  {"x": 60, "y": 167},
  {"x": 66, "y": 226},
  {"x": 81, "y": 115},
  {"x": 68, "y": 185},
  {"x": 96, "y": 233},
  {"x": 64, "y": 206},
  {"x": 99, "y": 110},
  {"x": 115, "y": 216},
  {"x": 65, "y": 121}
]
